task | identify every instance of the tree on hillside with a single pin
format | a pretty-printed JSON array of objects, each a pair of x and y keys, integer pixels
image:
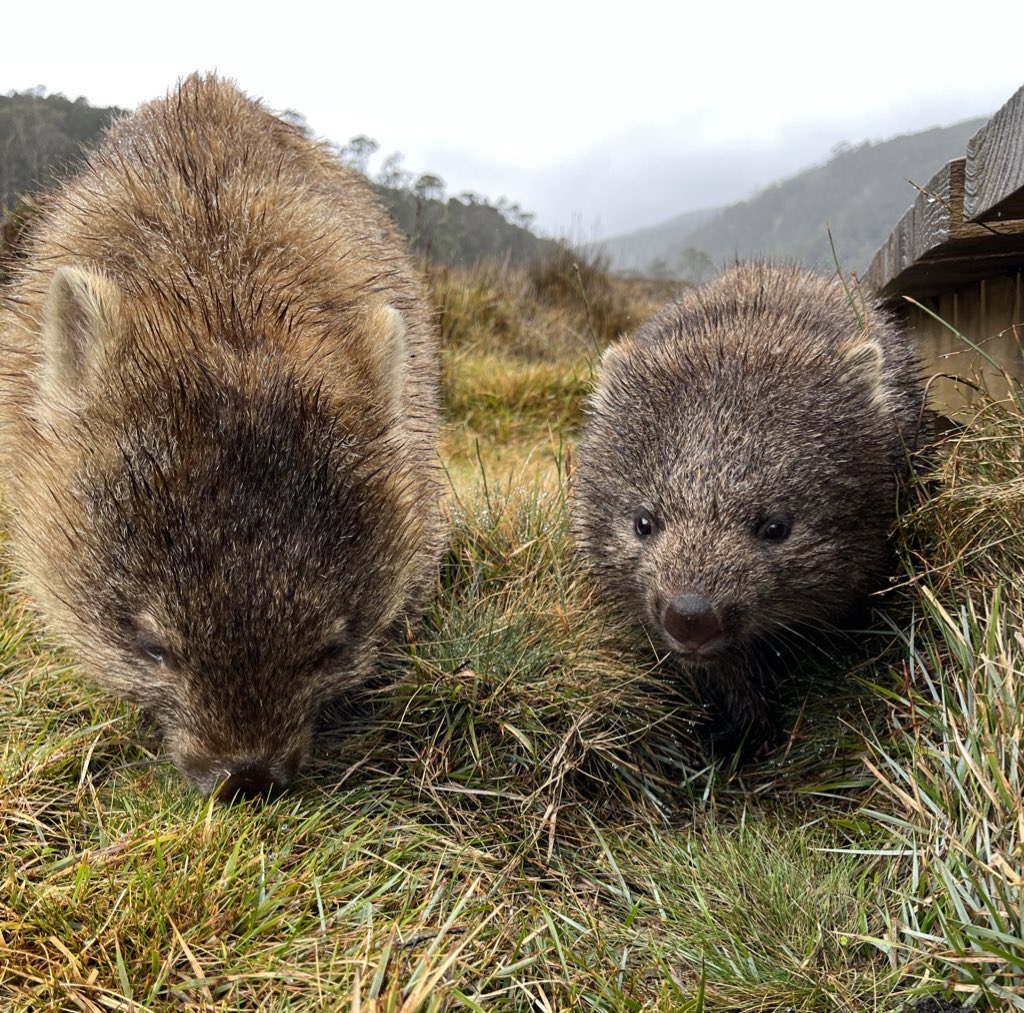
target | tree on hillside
[
  {"x": 42, "y": 137},
  {"x": 393, "y": 174},
  {"x": 694, "y": 265},
  {"x": 429, "y": 187},
  {"x": 295, "y": 119},
  {"x": 358, "y": 152}
]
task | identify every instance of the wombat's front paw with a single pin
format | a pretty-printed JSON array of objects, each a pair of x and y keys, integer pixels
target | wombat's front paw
[{"x": 743, "y": 744}]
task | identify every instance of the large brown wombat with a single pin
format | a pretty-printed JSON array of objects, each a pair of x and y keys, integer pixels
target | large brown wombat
[
  {"x": 739, "y": 474},
  {"x": 218, "y": 418}
]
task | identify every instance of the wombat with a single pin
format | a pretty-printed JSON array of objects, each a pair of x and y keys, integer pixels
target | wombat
[
  {"x": 218, "y": 427},
  {"x": 739, "y": 471}
]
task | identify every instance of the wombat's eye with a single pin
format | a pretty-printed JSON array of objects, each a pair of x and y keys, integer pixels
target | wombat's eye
[
  {"x": 775, "y": 529},
  {"x": 151, "y": 648},
  {"x": 332, "y": 654},
  {"x": 643, "y": 524}
]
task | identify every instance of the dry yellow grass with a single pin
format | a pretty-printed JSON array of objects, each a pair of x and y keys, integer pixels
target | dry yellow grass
[{"x": 520, "y": 345}]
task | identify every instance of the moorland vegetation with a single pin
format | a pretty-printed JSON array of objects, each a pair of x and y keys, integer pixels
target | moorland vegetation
[{"x": 525, "y": 820}]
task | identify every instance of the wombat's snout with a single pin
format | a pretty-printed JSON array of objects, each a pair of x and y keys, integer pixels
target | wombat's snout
[
  {"x": 691, "y": 621},
  {"x": 244, "y": 779},
  {"x": 253, "y": 780}
]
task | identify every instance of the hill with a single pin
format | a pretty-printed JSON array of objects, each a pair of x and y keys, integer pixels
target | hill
[
  {"x": 460, "y": 232},
  {"x": 638, "y": 251},
  {"x": 860, "y": 193},
  {"x": 43, "y": 136}
]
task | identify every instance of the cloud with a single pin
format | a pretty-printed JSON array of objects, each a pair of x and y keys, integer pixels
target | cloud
[{"x": 646, "y": 175}]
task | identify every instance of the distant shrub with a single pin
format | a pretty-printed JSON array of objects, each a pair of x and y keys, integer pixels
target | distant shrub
[
  {"x": 475, "y": 304},
  {"x": 579, "y": 280}
]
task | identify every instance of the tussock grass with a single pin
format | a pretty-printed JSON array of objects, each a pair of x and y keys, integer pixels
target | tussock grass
[
  {"x": 579, "y": 279},
  {"x": 951, "y": 773},
  {"x": 972, "y": 517},
  {"x": 519, "y": 349},
  {"x": 522, "y": 821},
  {"x": 524, "y": 689}
]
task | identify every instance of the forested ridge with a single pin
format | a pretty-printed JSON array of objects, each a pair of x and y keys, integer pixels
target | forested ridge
[{"x": 43, "y": 137}]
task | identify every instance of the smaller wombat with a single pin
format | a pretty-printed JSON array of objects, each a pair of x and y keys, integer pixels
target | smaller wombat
[{"x": 739, "y": 472}]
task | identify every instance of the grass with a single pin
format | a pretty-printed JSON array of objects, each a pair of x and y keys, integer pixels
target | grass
[
  {"x": 519, "y": 346},
  {"x": 524, "y": 822},
  {"x": 951, "y": 784}
]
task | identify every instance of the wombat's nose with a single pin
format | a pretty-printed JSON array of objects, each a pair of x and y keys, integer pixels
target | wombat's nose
[
  {"x": 692, "y": 621},
  {"x": 249, "y": 781}
]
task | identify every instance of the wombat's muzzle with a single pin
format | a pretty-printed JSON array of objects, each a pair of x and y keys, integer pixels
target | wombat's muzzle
[
  {"x": 251, "y": 781},
  {"x": 694, "y": 624},
  {"x": 244, "y": 779}
]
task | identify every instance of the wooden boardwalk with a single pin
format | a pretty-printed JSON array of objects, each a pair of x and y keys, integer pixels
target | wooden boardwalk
[{"x": 958, "y": 253}]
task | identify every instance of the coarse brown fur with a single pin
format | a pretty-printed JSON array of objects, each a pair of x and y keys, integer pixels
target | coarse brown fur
[
  {"x": 218, "y": 428},
  {"x": 739, "y": 473}
]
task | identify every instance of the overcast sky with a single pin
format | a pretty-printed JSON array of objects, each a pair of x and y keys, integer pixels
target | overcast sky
[{"x": 598, "y": 117}]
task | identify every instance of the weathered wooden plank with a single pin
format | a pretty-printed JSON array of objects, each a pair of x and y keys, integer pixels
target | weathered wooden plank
[
  {"x": 885, "y": 263},
  {"x": 938, "y": 211},
  {"x": 994, "y": 186},
  {"x": 894, "y": 255},
  {"x": 933, "y": 245},
  {"x": 971, "y": 262},
  {"x": 924, "y": 225}
]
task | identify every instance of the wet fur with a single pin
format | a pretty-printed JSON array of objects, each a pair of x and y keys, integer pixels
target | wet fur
[{"x": 246, "y": 459}]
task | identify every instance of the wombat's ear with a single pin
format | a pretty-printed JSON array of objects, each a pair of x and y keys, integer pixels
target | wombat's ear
[
  {"x": 865, "y": 359},
  {"x": 388, "y": 348},
  {"x": 613, "y": 361},
  {"x": 615, "y": 356},
  {"x": 78, "y": 326}
]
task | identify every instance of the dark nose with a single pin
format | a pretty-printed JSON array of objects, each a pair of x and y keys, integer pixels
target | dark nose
[
  {"x": 252, "y": 780},
  {"x": 691, "y": 620}
]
